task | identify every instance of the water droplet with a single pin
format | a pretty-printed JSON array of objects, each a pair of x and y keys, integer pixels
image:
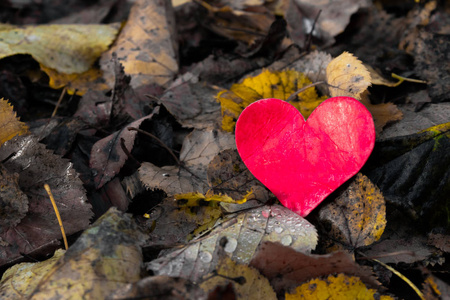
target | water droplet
[
  {"x": 278, "y": 229},
  {"x": 190, "y": 254},
  {"x": 231, "y": 245},
  {"x": 205, "y": 256},
  {"x": 286, "y": 240}
]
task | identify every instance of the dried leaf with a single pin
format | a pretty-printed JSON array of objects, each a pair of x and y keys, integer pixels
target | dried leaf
[
  {"x": 347, "y": 76},
  {"x": 13, "y": 202},
  {"x": 279, "y": 85},
  {"x": 66, "y": 48},
  {"x": 238, "y": 237},
  {"x": 35, "y": 165},
  {"x": 198, "y": 149},
  {"x": 19, "y": 281},
  {"x": 146, "y": 46},
  {"x": 383, "y": 113},
  {"x": 358, "y": 216},
  {"x": 192, "y": 102},
  {"x": 335, "y": 287},
  {"x": 107, "y": 155},
  {"x": 286, "y": 268},
  {"x": 107, "y": 256},
  {"x": 251, "y": 284},
  {"x": 10, "y": 124},
  {"x": 227, "y": 174}
]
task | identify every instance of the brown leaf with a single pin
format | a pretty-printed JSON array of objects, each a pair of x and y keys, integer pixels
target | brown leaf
[
  {"x": 107, "y": 155},
  {"x": 227, "y": 174},
  {"x": 358, "y": 216},
  {"x": 10, "y": 124},
  {"x": 146, "y": 46},
  {"x": 35, "y": 166},
  {"x": 160, "y": 287},
  {"x": 286, "y": 268},
  {"x": 13, "y": 202},
  {"x": 383, "y": 113}
]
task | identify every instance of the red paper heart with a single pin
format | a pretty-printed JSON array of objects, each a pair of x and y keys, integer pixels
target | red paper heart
[{"x": 300, "y": 161}]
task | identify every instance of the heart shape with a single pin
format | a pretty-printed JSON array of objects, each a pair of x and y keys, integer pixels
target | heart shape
[{"x": 302, "y": 162}]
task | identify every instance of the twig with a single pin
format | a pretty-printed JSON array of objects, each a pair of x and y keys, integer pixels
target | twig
[
  {"x": 59, "y": 101},
  {"x": 49, "y": 192},
  {"x": 294, "y": 95}
]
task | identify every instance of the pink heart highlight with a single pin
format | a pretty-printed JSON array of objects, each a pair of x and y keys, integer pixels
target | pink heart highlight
[{"x": 302, "y": 162}]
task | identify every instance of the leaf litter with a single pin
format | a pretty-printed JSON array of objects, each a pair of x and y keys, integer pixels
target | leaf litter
[{"x": 217, "y": 246}]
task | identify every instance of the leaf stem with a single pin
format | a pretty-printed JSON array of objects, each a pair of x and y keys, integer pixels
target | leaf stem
[{"x": 49, "y": 192}]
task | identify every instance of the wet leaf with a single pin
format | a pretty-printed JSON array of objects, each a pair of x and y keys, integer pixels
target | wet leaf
[
  {"x": 347, "y": 76},
  {"x": 107, "y": 155},
  {"x": 238, "y": 237},
  {"x": 286, "y": 268},
  {"x": 279, "y": 85},
  {"x": 9, "y": 122},
  {"x": 107, "y": 256},
  {"x": 35, "y": 166},
  {"x": 248, "y": 283},
  {"x": 335, "y": 287},
  {"x": 146, "y": 46},
  {"x": 358, "y": 216},
  {"x": 66, "y": 48}
]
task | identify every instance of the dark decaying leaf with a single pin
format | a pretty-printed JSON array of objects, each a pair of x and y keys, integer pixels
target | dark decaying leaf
[
  {"x": 285, "y": 268},
  {"x": 357, "y": 217},
  {"x": 36, "y": 166},
  {"x": 192, "y": 102},
  {"x": 227, "y": 174},
  {"x": 410, "y": 172},
  {"x": 107, "y": 155},
  {"x": 13, "y": 202},
  {"x": 238, "y": 237},
  {"x": 160, "y": 287}
]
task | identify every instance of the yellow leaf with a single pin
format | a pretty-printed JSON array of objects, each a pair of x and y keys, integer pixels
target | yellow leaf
[
  {"x": 194, "y": 198},
  {"x": 247, "y": 282},
  {"x": 92, "y": 79},
  {"x": 279, "y": 85},
  {"x": 9, "y": 123},
  {"x": 347, "y": 76},
  {"x": 146, "y": 45},
  {"x": 358, "y": 216},
  {"x": 66, "y": 48},
  {"x": 340, "y": 287}
]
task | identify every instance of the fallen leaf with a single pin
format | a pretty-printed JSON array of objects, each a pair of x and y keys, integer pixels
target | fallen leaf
[
  {"x": 64, "y": 48},
  {"x": 408, "y": 170},
  {"x": 347, "y": 76},
  {"x": 335, "y": 287},
  {"x": 279, "y": 85},
  {"x": 146, "y": 46},
  {"x": 286, "y": 268},
  {"x": 383, "y": 113},
  {"x": 106, "y": 257},
  {"x": 13, "y": 201},
  {"x": 357, "y": 217},
  {"x": 248, "y": 283},
  {"x": 440, "y": 241},
  {"x": 238, "y": 237},
  {"x": 35, "y": 166},
  {"x": 227, "y": 174},
  {"x": 19, "y": 281},
  {"x": 10, "y": 124},
  {"x": 107, "y": 155},
  {"x": 160, "y": 287},
  {"x": 192, "y": 102},
  {"x": 333, "y": 18}
]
